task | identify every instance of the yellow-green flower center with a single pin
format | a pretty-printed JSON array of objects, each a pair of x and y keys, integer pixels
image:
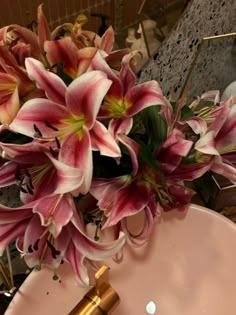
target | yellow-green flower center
[
  {"x": 37, "y": 172},
  {"x": 74, "y": 124},
  {"x": 116, "y": 107}
]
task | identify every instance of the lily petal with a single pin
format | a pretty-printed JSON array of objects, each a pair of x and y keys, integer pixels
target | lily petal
[
  {"x": 103, "y": 141},
  {"x": 35, "y": 234},
  {"x": 55, "y": 212},
  {"x": 96, "y": 250},
  {"x": 85, "y": 94},
  {"x": 52, "y": 84},
  {"x": 206, "y": 144},
  {"x": 34, "y": 113},
  {"x": 129, "y": 200},
  {"x": 78, "y": 263},
  {"x": 224, "y": 169},
  {"x": 14, "y": 215},
  {"x": 8, "y": 174},
  {"x": 133, "y": 148},
  {"x": 99, "y": 63},
  {"x": 28, "y": 37},
  {"x": 10, "y": 232},
  {"x": 107, "y": 40},
  {"x": 43, "y": 28},
  {"x": 170, "y": 154},
  {"x": 68, "y": 178},
  {"x": 76, "y": 152},
  {"x": 142, "y": 96},
  {"x": 198, "y": 125},
  {"x": 140, "y": 238},
  {"x": 127, "y": 75}
]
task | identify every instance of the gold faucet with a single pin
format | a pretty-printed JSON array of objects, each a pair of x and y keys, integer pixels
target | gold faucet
[{"x": 102, "y": 299}]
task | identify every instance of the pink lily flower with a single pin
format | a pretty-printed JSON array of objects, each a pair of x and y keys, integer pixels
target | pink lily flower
[
  {"x": 50, "y": 230},
  {"x": 9, "y": 99},
  {"x": 120, "y": 197},
  {"x": 219, "y": 144},
  {"x": 123, "y": 197},
  {"x": 124, "y": 98},
  {"x": 36, "y": 171},
  {"x": 126, "y": 196},
  {"x": 120, "y": 134},
  {"x": 134, "y": 237},
  {"x": 70, "y": 113},
  {"x": 9, "y": 65},
  {"x": 44, "y": 32},
  {"x": 142, "y": 234},
  {"x": 75, "y": 56},
  {"x": 15, "y": 34},
  {"x": 170, "y": 155},
  {"x": 64, "y": 51}
]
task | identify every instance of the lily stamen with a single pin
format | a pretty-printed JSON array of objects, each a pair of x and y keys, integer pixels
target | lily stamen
[
  {"x": 18, "y": 174},
  {"x": 23, "y": 190},
  {"x": 55, "y": 276},
  {"x": 58, "y": 143},
  {"x": 30, "y": 183},
  {"x": 49, "y": 125},
  {"x": 36, "y": 244},
  {"x": 27, "y": 173},
  {"x": 38, "y": 133},
  {"x": 30, "y": 249},
  {"x": 54, "y": 252},
  {"x": 98, "y": 227},
  {"x": 54, "y": 154},
  {"x": 30, "y": 191},
  {"x": 25, "y": 186}
]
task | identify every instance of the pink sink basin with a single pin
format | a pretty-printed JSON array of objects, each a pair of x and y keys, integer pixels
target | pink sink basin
[{"x": 188, "y": 268}]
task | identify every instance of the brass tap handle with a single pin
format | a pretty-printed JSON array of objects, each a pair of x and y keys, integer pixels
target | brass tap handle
[{"x": 102, "y": 299}]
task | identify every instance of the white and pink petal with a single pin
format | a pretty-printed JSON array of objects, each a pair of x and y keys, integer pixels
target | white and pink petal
[
  {"x": 85, "y": 95},
  {"x": 51, "y": 83},
  {"x": 103, "y": 141}
]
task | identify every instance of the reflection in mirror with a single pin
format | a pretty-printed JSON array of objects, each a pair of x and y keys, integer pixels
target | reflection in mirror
[{"x": 154, "y": 21}]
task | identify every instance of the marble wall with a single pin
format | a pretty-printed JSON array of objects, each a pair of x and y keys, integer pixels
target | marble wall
[{"x": 171, "y": 64}]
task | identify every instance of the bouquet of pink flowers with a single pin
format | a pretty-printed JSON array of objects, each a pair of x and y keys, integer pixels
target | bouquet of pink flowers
[{"x": 89, "y": 147}]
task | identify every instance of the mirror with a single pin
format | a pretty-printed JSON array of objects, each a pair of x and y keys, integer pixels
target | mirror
[{"x": 146, "y": 24}]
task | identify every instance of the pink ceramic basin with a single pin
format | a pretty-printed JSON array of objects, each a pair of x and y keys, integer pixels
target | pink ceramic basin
[{"x": 188, "y": 268}]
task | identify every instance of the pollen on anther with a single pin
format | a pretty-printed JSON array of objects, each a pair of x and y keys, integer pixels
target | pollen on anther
[
  {"x": 36, "y": 245},
  {"x": 58, "y": 143},
  {"x": 30, "y": 249},
  {"x": 49, "y": 125},
  {"x": 38, "y": 133}
]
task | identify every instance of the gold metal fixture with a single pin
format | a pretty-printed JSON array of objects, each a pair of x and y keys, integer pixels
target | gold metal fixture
[{"x": 102, "y": 299}]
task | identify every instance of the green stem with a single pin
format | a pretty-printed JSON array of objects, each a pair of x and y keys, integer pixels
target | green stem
[
  {"x": 10, "y": 266},
  {"x": 4, "y": 274}
]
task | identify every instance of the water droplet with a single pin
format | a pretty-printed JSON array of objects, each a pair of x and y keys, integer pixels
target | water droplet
[{"x": 151, "y": 308}]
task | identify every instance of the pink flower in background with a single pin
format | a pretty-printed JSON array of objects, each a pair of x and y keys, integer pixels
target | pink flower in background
[
  {"x": 50, "y": 230},
  {"x": 219, "y": 142},
  {"x": 37, "y": 172}
]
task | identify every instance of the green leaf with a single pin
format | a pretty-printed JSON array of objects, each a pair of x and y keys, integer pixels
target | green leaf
[
  {"x": 155, "y": 126},
  {"x": 7, "y": 136},
  {"x": 64, "y": 76},
  {"x": 147, "y": 157},
  {"x": 186, "y": 113}
]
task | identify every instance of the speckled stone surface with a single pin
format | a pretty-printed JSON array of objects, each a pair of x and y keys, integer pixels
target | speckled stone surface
[
  {"x": 171, "y": 64},
  {"x": 9, "y": 196}
]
